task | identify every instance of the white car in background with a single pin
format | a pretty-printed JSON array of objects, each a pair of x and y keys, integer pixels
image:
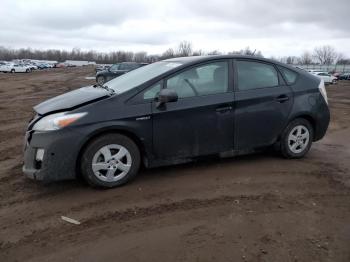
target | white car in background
[
  {"x": 327, "y": 78},
  {"x": 14, "y": 68},
  {"x": 5, "y": 67}
]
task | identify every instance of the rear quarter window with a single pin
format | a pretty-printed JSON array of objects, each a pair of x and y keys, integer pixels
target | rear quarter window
[{"x": 289, "y": 75}]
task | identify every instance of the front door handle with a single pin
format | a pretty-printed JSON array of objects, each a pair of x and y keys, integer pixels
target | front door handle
[
  {"x": 224, "y": 109},
  {"x": 282, "y": 98}
]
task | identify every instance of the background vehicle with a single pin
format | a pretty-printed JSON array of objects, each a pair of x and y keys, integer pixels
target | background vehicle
[
  {"x": 14, "y": 68},
  {"x": 102, "y": 68},
  {"x": 345, "y": 76},
  {"x": 42, "y": 66},
  {"x": 59, "y": 65},
  {"x": 18, "y": 68},
  {"x": 5, "y": 67},
  {"x": 70, "y": 65},
  {"x": 327, "y": 78},
  {"x": 31, "y": 66},
  {"x": 174, "y": 111},
  {"x": 116, "y": 70}
]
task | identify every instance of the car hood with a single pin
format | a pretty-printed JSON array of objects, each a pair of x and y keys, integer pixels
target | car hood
[
  {"x": 103, "y": 71},
  {"x": 71, "y": 100}
]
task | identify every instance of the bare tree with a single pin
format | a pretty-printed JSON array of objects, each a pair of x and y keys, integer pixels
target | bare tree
[
  {"x": 234, "y": 53},
  {"x": 326, "y": 54},
  {"x": 340, "y": 58},
  {"x": 140, "y": 57},
  {"x": 169, "y": 53},
  {"x": 152, "y": 58},
  {"x": 214, "y": 52},
  {"x": 184, "y": 49},
  {"x": 198, "y": 52},
  {"x": 247, "y": 51},
  {"x": 291, "y": 60},
  {"x": 305, "y": 58},
  {"x": 343, "y": 61},
  {"x": 258, "y": 54},
  {"x": 274, "y": 58}
]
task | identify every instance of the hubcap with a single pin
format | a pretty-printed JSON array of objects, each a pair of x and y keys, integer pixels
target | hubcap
[
  {"x": 298, "y": 139},
  {"x": 100, "y": 80},
  {"x": 111, "y": 163}
]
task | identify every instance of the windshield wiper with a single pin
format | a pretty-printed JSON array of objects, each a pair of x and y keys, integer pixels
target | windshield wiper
[{"x": 110, "y": 90}]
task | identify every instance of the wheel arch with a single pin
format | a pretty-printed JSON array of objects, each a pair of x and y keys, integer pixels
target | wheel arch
[
  {"x": 307, "y": 117},
  {"x": 112, "y": 130}
]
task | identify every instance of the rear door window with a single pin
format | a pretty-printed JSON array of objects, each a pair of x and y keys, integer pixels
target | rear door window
[{"x": 254, "y": 75}]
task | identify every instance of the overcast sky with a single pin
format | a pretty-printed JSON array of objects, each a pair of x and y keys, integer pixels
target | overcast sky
[{"x": 275, "y": 27}]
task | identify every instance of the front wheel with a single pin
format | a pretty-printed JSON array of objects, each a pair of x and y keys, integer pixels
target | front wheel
[
  {"x": 110, "y": 160},
  {"x": 13, "y": 71},
  {"x": 100, "y": 80},
  {"x": 297, "y": 138}
]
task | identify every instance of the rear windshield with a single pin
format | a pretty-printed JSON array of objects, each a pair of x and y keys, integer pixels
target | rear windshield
[{"x": 138, "y": 76}]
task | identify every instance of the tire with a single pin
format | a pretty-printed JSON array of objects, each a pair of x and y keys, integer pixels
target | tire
[
  {"x": 110, "y": 170},
  {"x": 334, "y": 81},
  {"x": 100, "y": 80},
  {"x": 13, "y": 71},
  {"x": 27, "y": 70},
  {"x": 297, "y": 138}
]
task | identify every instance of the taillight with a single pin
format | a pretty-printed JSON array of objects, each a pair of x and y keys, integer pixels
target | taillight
[{"x": 323, "y": 91}]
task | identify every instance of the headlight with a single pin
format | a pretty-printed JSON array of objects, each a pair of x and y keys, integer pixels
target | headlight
[{"x": 56, "y": 121}]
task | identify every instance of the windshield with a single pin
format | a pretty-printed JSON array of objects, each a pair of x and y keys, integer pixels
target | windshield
[
  {"x": 114, "y": 67},
  {"x": 138, "y": 76}
]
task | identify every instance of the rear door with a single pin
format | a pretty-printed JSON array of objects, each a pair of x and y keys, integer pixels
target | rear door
[
  {"x": 201, "y": 121},
  {"x": 262, "y": 103}
]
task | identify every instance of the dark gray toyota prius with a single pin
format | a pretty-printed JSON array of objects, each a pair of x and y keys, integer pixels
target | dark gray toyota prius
[{"x": 172, "y": 112}]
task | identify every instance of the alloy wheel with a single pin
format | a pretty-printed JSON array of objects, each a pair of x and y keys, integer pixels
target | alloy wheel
[
  {"x": 100, "y": 80},
  {"x": 111, "y": 163},
  {"x": 298, "y": 139}
]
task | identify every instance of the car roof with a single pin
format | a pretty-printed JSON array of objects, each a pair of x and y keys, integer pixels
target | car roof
[
  {"x": 131, "y": 63},
  {"x": 188, "y": 59},
  {"x": 196, "y": 59}
]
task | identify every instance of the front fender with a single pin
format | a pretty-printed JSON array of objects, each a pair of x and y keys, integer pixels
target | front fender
[{"x": 141, "y": 135}]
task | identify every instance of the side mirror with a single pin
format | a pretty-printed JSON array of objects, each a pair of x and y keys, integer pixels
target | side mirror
[{"x": 166, "y": 96}]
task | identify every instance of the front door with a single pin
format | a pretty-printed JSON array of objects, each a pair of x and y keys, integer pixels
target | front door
[{"x": 201, "y": 121}]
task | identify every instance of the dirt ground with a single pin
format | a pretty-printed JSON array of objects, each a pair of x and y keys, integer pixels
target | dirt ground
[{"x": 259, "y": 207}]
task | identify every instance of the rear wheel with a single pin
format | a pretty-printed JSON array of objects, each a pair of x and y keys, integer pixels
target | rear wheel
[
  {"x": 297, "y": 138},
  {"x": 110, "y": 160},
  {"x": 13, "y": 71}
]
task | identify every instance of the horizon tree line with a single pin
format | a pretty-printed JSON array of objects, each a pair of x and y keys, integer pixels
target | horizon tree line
[{"x": 324, "y": 55}]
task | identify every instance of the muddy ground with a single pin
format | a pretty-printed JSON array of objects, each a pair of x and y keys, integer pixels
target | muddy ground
[{"x": 259, "y": 207}]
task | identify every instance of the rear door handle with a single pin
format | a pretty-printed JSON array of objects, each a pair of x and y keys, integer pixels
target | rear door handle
[
  {"x": 224, "y": 109},
  {"x": 282, "y": 98}
]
